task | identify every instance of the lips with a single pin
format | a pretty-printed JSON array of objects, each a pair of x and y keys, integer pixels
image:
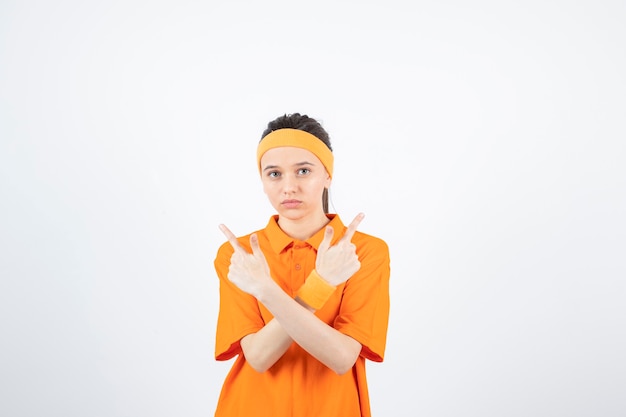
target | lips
[{"x": 290, "y": 203}]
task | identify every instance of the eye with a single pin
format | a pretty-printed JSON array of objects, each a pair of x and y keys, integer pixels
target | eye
[
  {"x": 273, "y": 174},
  {"x": 303, "y": 171}
]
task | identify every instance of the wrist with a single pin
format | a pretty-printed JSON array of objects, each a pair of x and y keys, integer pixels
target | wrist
[
  {"x": 305, "y": 305},
  {"x": 315, "y": 291},
  {"x": 267, "y": 290}
]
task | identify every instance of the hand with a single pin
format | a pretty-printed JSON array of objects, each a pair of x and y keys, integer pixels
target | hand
[
  {"x": 248, "y": 271},
  {"x": 337, "y": 263}
]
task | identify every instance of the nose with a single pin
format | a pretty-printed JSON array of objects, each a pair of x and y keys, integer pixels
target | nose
[{"x": 290, "y": 184}]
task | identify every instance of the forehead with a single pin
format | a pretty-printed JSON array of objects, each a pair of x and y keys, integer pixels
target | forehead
[{"x": 287, "y": 156}]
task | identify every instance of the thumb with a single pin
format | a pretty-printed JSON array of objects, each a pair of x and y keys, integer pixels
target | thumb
[
  {"x": 254, "y": 244},
  {"x": 328, "y": 237}
]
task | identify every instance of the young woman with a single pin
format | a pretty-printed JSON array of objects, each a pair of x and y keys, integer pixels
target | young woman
[{"x": 304, "y": 301}]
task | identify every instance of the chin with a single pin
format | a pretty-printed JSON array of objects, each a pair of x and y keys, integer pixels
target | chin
[{"x": 292, "y": 214}]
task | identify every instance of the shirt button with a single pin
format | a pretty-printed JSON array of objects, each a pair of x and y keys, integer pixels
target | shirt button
[{"x": 298, "y": 267}]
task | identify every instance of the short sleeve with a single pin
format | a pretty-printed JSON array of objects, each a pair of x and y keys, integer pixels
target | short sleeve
[
  {"x": 239, "y": 313},
  {"x": 364, "y": 311}
]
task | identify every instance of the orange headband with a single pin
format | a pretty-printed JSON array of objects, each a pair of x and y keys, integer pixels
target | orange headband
[{"x": 298, "y": 139}]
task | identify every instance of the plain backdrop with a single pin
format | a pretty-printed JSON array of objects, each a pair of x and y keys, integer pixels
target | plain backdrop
[{"x": 484, "y": 141}]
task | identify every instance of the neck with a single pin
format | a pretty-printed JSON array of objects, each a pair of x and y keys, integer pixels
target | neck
[{"x": 302, "y": 229}]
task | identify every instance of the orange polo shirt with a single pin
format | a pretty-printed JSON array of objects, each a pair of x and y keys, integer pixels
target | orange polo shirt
[{"x": 298, "y": 384}]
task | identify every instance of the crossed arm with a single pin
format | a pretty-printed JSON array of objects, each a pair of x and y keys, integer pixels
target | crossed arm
[
  {"x": 295, "y": 322},
  {"x": 293, "y": 319}
]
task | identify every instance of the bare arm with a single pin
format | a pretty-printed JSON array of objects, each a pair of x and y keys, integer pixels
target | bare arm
[
  {"x": 263, "y": 348},
  {"x": 294, "y": 321},
  {"x": 328, "y": 345}
]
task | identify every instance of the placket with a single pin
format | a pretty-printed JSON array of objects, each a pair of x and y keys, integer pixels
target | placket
[{"x": 300, "y": 264}]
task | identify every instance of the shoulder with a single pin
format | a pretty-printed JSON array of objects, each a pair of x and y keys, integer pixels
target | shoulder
[
  {"x": 369, "y": 245},
  {"x": 373, "y": 253}
]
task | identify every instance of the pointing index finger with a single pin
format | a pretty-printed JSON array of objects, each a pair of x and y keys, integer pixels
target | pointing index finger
[
  {"x": 231, "y": 237},
  {"x": 353, "y": 226}
]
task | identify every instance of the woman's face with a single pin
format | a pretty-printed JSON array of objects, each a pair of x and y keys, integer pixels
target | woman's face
[{"x": 294, "y": 179}]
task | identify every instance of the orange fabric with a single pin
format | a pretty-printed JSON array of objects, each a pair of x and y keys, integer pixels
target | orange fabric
[
  {"x": 315, "y": 291},
  {"x": 298, "y": 384}
]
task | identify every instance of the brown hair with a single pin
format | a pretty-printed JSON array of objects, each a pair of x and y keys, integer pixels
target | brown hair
[{"x": 308, "y": 124}]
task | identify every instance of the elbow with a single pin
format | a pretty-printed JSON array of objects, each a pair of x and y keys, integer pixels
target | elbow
[
  {"x": 255, "y": 357},
  {"x": 344, "y": 366},
  {"x": 342, "y": 371},
  {"x": 260, "y": 368},
  {"x": 346, "y": 361},
  {"x": 258, "y": 364}
]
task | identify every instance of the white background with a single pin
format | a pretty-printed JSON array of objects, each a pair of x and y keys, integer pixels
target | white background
[{"x": 485, "y": 142}]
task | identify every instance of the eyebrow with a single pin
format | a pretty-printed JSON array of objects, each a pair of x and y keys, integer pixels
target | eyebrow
[{"x": 299, "y": 164}]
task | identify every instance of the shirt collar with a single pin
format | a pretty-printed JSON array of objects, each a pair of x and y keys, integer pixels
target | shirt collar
[{"x": 279, "y": 240}]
